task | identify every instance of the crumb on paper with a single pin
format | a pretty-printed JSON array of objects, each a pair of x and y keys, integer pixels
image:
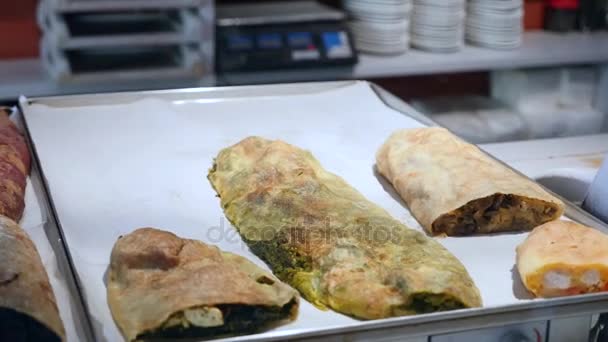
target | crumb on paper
[{"x": 595, "y": 162}]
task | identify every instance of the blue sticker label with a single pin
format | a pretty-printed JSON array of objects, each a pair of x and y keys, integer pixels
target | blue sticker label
[
  {"x": 337, "y": 44},
  {"x": 331, "y": 39},
  {"x": 239, "y": 42},
  {"x": 269, "y": 41},
  {"x": 300, "y": 40}
]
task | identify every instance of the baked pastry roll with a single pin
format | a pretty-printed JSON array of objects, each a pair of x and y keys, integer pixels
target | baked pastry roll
[
  {"x": 453, "y": 188},
  {"x": 163, "y": 286},
  {"x": 324, "y": 238},
  {"x": 563, "y": 258},
  {"x": 14, "y": 168},
  {"x": 10, "y": 135},
  {"x": 28, "y": 309}
]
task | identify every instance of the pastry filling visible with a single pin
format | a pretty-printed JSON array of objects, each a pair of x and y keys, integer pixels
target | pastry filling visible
[
  {"x": 204, "y": 317},
  {"x": 429, "y": 302},
  {"x": 591, "y": 277},
  {"x": 289, "y": 265},
  {"x": 564, "y": 282},
  {"x": 495, "y": 213},
  {"x": 556, "y": 280},
  {"x": 221, "y": 320}
]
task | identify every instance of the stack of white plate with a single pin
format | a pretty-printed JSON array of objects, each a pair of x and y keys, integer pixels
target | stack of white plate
[
  {"x": 380, "y": 26},
  {"x": 438, "y": 25},
  {"x": 495, "y": 23}
]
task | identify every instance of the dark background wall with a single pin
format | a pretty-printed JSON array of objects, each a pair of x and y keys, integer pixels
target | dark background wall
[{"x": 19, "y": 33}]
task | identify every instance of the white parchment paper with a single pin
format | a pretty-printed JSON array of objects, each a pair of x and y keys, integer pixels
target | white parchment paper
[
  {"x": 33, "y": 221},
  {"x": 114, "y": 168}
]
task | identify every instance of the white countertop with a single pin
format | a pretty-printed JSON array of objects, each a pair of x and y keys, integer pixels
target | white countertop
[{"x": 536, "y": 158}]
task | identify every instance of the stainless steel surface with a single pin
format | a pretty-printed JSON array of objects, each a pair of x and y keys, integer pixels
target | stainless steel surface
[
  {"x": 529, "y": 332},
  {"x": 570, "y": 329},
  {"x": 265, "y": 13},
  {"x": 376, "y": 336},
  {"x": 596, "y": 201},
  {"x": 186, "y": 94},
  {"x": 395, "y": 328},
  {"x": 105, "y": 41},
  {"x": 600, "y": 102},
  {"x": 155, "y": 27},
  {"x": 117, "y": 5}
]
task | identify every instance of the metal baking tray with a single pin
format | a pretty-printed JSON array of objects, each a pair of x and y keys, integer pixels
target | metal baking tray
[
  {"x": 41, "y": 226},
  {"x": 127, "y": 27},
  {"x": 116, "y": 29},
  {"x": 115, "y": 162},
  {"x": 67, "y": 6},
  {"x": 107, "y": 64}
]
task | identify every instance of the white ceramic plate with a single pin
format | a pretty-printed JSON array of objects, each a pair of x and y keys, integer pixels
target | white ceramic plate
[
  {"x": 445, "y": 34},
  {"x": 378, "y": 9},
  {"x": 497, "y": 22},
  {"x": 375, "y": 26},
  {"x": 440, "y": 3},
  {"x": 378, "y": 19},
  {"x": 437, "y": 20},
  {"x": 436, "y": 28},
  {"x": 503, "y": 4},
  {"x": 477, "y": 11},
  {"x": 516, "y": 30},
  {"x": 426, "y": 46},
  {"x": 394, "y": 49},
  {"x": 437, "y": 41},
  {"x": 379, "y": 41},
  {"x": 494, "y": 44}
]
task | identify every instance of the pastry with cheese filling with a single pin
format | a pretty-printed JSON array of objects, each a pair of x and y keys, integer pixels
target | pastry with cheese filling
[
  {"x": 563, "y": 258},
  {"x": 28, "y": 308},
  {"x": 453, "y": 188},
  {"x": 163, "y": 286},
  {"x": 323, "y": 237}
]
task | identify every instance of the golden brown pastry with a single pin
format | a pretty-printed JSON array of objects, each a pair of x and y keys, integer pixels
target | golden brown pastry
[
  {"x": 453, "y": 188},
  {"x": 28, "y": 309},
  {"x": 14, "y": 168},
  {"x": 10, "y": 135},
  {"x": 324, "y": 238},
  {"x": 163, "y": 286},
  {"x": 563, "y": 258}
]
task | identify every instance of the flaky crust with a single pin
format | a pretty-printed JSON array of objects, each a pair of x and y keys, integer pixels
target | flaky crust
[
  {"x": 11, "y": 136},
  {"x": 155, "y": 274},
  {"x": 324, "y": 238},
  {"x": 24, "y": 284},
  {"x": 14, "y": 168},
  {"x": 563, "y": 246},
  {"x": 436, "y": 173}
]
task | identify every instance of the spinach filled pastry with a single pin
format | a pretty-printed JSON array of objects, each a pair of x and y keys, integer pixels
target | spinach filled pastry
[
  {"x": 163, "y": 286},
  {"x": 453, "y": 188},
  {"x": 563, "y": 258},
  {"x": 28, "y": 308},
  {"x": 324, "y": 238}
]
